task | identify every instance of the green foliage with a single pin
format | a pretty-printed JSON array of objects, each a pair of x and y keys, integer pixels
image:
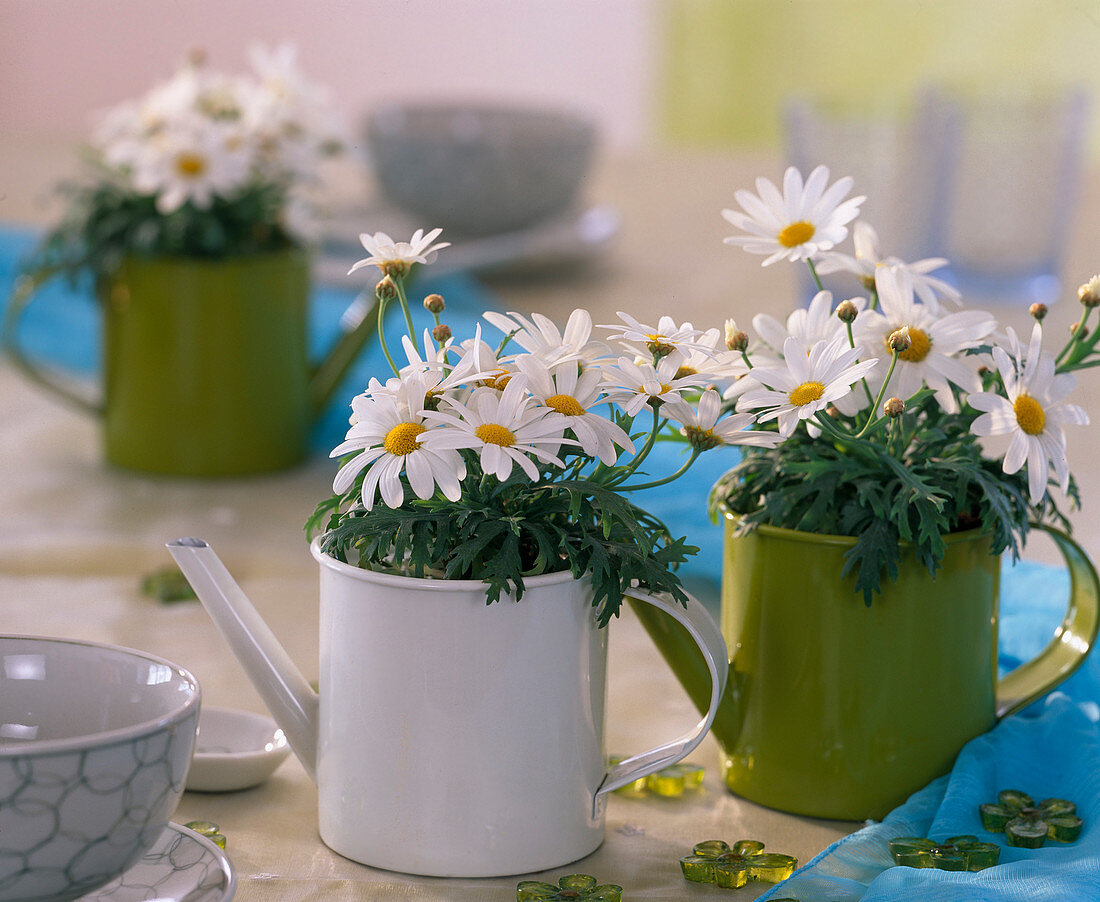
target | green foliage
[
  {"x": 889, "y": 500},
  {"x": 106, "y": 221},
  {"x": 505, "y": 532}
]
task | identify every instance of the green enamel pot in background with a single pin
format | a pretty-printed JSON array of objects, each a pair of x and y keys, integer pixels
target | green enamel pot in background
[
  {"x": 205, "y": 366},
  {"x": 839, "y": 710}
]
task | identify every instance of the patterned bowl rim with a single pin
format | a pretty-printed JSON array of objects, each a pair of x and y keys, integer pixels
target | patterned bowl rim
[{"x": 187, "y": 707}]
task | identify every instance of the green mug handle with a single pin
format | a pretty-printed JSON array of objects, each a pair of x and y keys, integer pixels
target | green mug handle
[
  {"x": 1072, "y": 640},
  {"x": 25, "y": 287}
]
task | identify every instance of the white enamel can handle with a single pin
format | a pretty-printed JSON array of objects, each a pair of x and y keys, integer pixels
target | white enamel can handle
[{"x": 702, "y": 628}]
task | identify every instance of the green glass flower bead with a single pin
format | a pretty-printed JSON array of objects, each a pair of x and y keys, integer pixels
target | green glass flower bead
[
  {"x": 580, "y": 887},
  {"x": 958, "y": 853},
  {"x": 676, "y": 779},
  {"x": 714, "y": 861},
  {"x": 670, "y": 782},
  {"x": 1028, "y": 825},
  {"x": 167, "y": 585},
  {"x": 208, "y": 829}
]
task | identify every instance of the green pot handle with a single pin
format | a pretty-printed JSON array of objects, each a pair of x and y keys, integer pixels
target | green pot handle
[
  {"x": 1072, "y": 640},
  {"x": 25, "y": 287}
]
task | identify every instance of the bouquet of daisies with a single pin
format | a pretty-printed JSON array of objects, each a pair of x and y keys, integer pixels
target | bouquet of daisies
[
  {"x": 515, "y": 451},
  {"x": 204, "y": 165},
  {"x": 901, "y": 416}
]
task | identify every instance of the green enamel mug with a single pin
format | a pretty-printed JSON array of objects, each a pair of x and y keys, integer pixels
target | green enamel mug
[
  {"x": 205, "y": 369},
  {"x": 840, "y": 710}
]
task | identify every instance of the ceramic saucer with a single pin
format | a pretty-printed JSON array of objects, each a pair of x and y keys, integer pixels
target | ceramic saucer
[
  {"x": 234, "y": 750},
  {"x": 180, "y": 867}
]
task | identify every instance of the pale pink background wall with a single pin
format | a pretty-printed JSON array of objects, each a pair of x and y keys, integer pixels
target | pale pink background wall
[{"x": 61, "y": 60}]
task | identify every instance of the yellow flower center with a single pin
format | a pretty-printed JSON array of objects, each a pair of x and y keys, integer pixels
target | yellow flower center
[
  {"x": 797, "y": 233},
  {"x": 498, "y": 380},
  {"x": 1030, "y": 415},
  {"x": 494, "y": 434},
  {"x": 566, "y": 404},
  {"x": 685, "y": 371},
  {"x": 659, "y": 345},
  {"x": 401, "y": 440},
  {"x": 701, "y": 439},
  {"x": 190, "y": 164},
  {"x": 806, "y": 393},
  {"x": 919, "y": 346}
]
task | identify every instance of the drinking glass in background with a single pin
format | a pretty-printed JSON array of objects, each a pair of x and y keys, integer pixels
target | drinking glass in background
[
  {"x": 988, "y": 181},
  {"x": 885, "y": 149},
  {"x": 1004, "y": 208}
]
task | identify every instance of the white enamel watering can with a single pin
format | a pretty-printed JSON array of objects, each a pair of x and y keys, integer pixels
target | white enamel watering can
[{"x": 450, "y": 737}]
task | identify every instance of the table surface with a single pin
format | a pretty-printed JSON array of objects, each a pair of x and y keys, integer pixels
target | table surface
[{"x": 78, "y": 536}]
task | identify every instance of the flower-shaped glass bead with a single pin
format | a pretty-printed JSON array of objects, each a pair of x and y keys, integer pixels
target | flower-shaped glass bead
[
  {"x": 208, "y": 829},
  {"x": 671, "y": 781},
  {"x": 1027, "y": 824},
  {"x": 958, "y": 853},
  {"x": 579, "y": 887},
  {"x": 714, "y": 861}
]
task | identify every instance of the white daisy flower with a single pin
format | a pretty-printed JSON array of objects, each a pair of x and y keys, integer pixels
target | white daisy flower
[
  {"x": 937, "y": 340},
  {"x": 292, "y": 117},
  {"x": 506, "y": 427},
  {"x": 191, "y": 163},
  {"x": 798, "y": 224},
  {"x": 816, "y": 322},
  {"x": 705, "y": 431},
  {"x": 810, "y": 380},
  {"x": 398, "y": 256},
  {"x": 1033, "y": 414},
  {"x": 662, "y": 339},
  {"x": 540, "y": 336},
  {"x": 634, "y": 384},
  {"x": 389, "y": 427},
  {"x": 574, "y": 394},
  {"x": 712, "y": 361},
  {"x": 868, "y": 258}
]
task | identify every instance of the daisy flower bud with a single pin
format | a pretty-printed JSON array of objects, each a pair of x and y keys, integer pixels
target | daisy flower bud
[
  {"x": 1089, "y": 293},
  {"x": 1082, "y": 334},
  {"x": 386, "y": 289},
  {"x": 1038, "y": 311},
  {"x": 441, "y": 332},
  {"x": 433, "y": 303},
  {"x": 736, "y": 339},
  {"x": 900, "y": 341},
  {"x": 846, "y": 311},
  {"x": 894, "y": 407}
]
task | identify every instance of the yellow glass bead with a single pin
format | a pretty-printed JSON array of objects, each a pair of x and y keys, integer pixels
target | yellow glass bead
[
  {"x": 771, "y": 868},
  {"x": 731, "y": 874}
]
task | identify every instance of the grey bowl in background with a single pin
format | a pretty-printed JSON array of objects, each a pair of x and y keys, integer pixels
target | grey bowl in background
[{"x": 477, "y": 169}]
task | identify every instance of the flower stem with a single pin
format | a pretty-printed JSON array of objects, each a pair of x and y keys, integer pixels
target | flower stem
[
  {"x": 1074, "y": 338},
  {"x": 404, "y": 301},
  {"x": 873, "y": 417},
  {"x": 650, "y": 485},
  {"x": 813, "y": 272},
  {"x": 382, "y": 335},
  {"x": 627, "y": 471},
  {"x": 852, "y": 345}
]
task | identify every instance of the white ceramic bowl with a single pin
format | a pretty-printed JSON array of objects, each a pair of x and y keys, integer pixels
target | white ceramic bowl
[
  {"x": 95, "y": 743},
  {"x": 478, "y": 169},
  {"x": 235, "y": 750}
]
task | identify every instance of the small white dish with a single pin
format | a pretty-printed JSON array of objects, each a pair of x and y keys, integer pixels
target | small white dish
[
  {"x": 234, "y": 750},
  {"x": 181, "y": 866}
]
